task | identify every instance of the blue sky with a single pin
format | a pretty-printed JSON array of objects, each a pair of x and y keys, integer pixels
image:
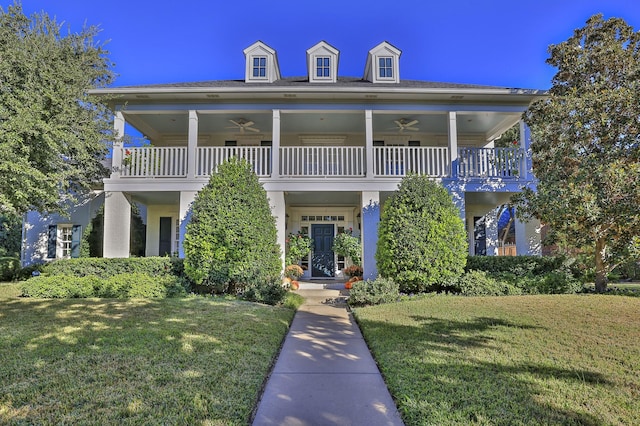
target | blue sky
[{"x": 492, "y": 42}]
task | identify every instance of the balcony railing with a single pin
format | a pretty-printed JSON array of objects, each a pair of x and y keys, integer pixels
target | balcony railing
[
  {"x": 322, "y": 161},
  {"x": 327, "y": 161},
  {"x": 490, "y": 162},
  {"x": 154, "y": 162},
  {"x": 210, "y": 157},
  {"x": 397, "y": 161}
]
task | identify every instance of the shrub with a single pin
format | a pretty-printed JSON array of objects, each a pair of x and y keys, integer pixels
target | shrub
[
  {"x": 105, "y": 268},
  {"x": 293, "y": 272},
  {"x": 374, "y": 292},
  {"x": 9, "y": 267},
  {"x": 269, "y": 291},
  {"x": 231, "y": 239},
  {"x": 297, "y": 246},
  {"x": 516, "y": 265},
  {"x": 422, "y": 242},
  {"x": 117, "y": 286},
  {"x": 479, "y": 283}
]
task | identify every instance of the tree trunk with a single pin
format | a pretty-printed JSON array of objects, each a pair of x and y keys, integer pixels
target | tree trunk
[{"x": 601, "y": 270}]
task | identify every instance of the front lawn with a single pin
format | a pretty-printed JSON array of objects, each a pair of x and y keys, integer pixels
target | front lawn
[
  {"x": 135, "y": 361},
  {"x": 563, "y": 359}
]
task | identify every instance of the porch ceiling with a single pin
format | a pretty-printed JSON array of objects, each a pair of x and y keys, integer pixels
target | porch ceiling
[
  {"x": 322, "y": 199},
  {"x": 156, "y": 197},
  {"x": 156, "y": 124},
  {"x": 487, "y": 198}
]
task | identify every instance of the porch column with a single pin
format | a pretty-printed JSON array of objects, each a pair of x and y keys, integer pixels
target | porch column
[
  {"x": 117, "y": 225},
  {"x": 368, "y": 143},
  {"x": 184, "y": 215},
  {"x": 452, "y": 123},
  {"x": 116, "y": 155},
  {"x": 370, "y": 202},
  {"x": 278, "y": 210},
  {"x": 491, "y": 229},
  {"x": 528, "y": 237},
  {"x": 525, "y": 144},
  {"x": 192, "y": 147},
  {"x": 275, "y": 145}
]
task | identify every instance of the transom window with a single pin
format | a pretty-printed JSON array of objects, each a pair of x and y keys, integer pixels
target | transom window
[
  {"x": 385, "y": 67},
  {"x": 260, "y": 66},
  {"x": 66, "y": 240},
  {"x": 323, "y": 68}
]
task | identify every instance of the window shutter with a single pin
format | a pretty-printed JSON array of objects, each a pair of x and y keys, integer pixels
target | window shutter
[
  {"x": 76, "y": 238},
  {"x": 51, "y": 243}
]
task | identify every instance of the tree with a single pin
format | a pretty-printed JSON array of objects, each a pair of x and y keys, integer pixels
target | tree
[
  {"x": 586, "y": 144},
  {"x": 231, "y": 238},
  {"x": 422, "y": 242},
  {"x": 10, "y": 235},
  {"x": 53, "y": 133}
]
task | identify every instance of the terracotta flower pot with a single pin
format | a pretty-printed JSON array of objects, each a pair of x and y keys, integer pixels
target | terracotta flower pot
[{"x": 295, "y": 285}]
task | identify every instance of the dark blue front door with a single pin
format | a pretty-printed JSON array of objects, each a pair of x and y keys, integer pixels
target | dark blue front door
[{"x": 322, "y": 263}]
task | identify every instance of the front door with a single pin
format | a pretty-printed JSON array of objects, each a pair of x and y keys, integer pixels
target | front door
[
  {"x": 322, "y": 263},
  {"x": 164, "y": 245}
]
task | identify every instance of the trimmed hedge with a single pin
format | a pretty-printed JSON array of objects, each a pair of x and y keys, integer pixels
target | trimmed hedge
[
  {"x": 105, "y": 268},
  {"x": 117, "y": 286},
  {"x": 516, "y": 265},
  {"x": 479, "y": 283},
  {"x": 374, "y": 292}
]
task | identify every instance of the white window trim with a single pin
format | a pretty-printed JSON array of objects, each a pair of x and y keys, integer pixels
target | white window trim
[
  {"x": 316, "y": 67},
  {"x": 393, "y": 68},
  {"x": 253, "y": 67},
  {"x": 60, "y": 243}
]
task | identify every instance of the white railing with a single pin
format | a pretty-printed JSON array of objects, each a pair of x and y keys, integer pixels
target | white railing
[
  {"x": 210, "y": 157},
  {"x": 400, "y": 160},
  {"x": 154, "y": 162},
  {"x": 322, "y": 161},
  {"x": 490, "y": 162}
]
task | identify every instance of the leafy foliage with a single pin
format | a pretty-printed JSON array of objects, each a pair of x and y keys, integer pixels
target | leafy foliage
[
  {"x": 374, "y": 292},
  {"x": 479, "y": 283},
  {"x": 293, "y": 271},
  {"x": 348, "y": 245},
  {"x": 10, "y": 235},
  {"x": 53, "y": 130},
  {"x": 231, "y": 239},
  {"x": 9, "y": 267},
  {"x": 586, "y": 144},
  {"x": 105, "y": 268},
  {"x": 422, "y": 242},
  {"x": 297, "y": 246},
  {"x": 116, "y": 286}
]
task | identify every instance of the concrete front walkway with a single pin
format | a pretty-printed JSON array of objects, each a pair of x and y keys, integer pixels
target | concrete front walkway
[{"x": 325, "y": 374}]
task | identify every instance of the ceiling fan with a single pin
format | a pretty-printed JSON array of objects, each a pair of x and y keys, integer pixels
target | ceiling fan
[
  {"x": 405, "y": 124},
  {"x": 243, "y": 125}
]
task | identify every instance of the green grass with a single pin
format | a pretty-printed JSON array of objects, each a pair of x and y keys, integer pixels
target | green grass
[
  {"x": 10, "y": 290},
  {"x": 104, "y": 361},
  {"x": 564, "y": 359}
]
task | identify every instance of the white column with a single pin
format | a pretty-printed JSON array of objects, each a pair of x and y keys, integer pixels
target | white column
[
  {"x": 528, "y": 237},
  {"x": 117, "y": 225},
  {"x": 491, "y": 229},
  {"x": 525, "y": 144},
  {"x": 192, "y": 145},
  {"x": 275, "y": 145},
  {"x": 278, "y": 210},
  {"x": 452, "y": 123},
  {"x": 118, "y": 133},
  {"x": 368, "y": 143},
  {"x": 186, "y": 199},
  {"x": 370, "y": 202}
]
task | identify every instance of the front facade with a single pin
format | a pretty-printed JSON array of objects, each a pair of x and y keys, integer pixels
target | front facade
[{"x": 328, "y": 150}]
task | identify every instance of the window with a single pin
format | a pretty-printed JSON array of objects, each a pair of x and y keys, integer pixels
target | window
[
  {"x": 385, "y": 67},
  {"x": 63, "y": 241},
  {"x": 323, "y": 68},
  {"x": 260, "y": 66}
]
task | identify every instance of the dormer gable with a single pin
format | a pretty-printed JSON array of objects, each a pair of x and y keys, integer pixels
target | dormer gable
[
  {"x": 322, "y": 63},
  {"x": 383, "y": 64},
  {"x": 261, "y": 64}
]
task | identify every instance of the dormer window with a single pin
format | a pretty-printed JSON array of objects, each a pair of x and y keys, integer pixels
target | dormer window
[
  {"x": 385, "y": 67},
  {"x": 261, "y": 64},
  {"x": 383, "y": 63},
  {"x": 322, "y": 63},
  {"x": 323, "y": 67}
]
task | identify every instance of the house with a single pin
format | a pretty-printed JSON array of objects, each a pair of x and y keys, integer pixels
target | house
[{"x": 329, "y": 151}]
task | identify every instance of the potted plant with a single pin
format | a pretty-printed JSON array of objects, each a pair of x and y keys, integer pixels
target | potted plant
[
  {"x": 291, "y": 275},
  {"x": 347, "y": 245},
  {"x": 297, "y": 246}
]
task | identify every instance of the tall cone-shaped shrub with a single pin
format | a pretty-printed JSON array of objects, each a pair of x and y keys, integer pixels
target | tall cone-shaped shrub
[
  {"x": 231, "y": 239},
  {"x": 422, "y": 242}
]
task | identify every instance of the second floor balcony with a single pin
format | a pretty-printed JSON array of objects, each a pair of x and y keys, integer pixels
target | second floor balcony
[{"x": 300, "y": 162}]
